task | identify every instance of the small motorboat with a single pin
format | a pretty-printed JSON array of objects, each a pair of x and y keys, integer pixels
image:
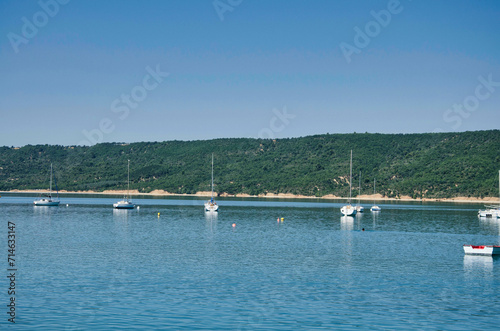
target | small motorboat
[{"x": 481, "y": 249}]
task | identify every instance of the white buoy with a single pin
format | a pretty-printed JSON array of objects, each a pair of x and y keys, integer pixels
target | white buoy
[
  {"x": 138, "y": 207},
  {"x": 67, "y": 205}
]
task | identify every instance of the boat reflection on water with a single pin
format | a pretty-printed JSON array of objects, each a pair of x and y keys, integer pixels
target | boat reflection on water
[
  {"x": 346, "y": 240},
  {"x": 120, "y": 214},
  {"x": 491, "y": 224},
  {"x": 45, "y": 212},
  {"x": 375, "y": 216},
  {"x": 347, "y": 223},
  {"x": 211, "y": 215},
  {"x": 478, "y": 266},
  {"x": 359, "y": 216},
  {"x": 211, "y": 223},
  {"x": 42, "y": 210}
]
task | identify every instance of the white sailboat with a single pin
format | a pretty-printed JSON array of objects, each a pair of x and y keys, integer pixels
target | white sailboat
[
  {"x": 46, "y": 199},
  {"x": 349, "y": 210},
  {"x": 211, "y": 205},
  {"x": 492, "y": 211},
  {"x": 125, "y": 203},
  {"x": 374, "y": 207},
  {"x": 359, "y": 208}
]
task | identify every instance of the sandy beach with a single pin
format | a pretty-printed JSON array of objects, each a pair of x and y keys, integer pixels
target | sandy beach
[{"x": 364, "y": 197}]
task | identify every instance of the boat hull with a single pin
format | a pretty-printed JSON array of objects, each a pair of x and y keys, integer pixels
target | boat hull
[
  {"x": 375, "y": 208},
  {"x": 489, "y": 213},
  {"x": 348, "y": 210},
  {"x": 123, "y": 205},
  {"x": 46, "y": 202},
  {"x": 211, "y": 207},
  {"x": 481, "y": 250}
]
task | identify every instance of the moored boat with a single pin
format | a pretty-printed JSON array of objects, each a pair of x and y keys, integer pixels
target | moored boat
[
  {"x": 491, "y": 211},
  {"x": 481, "y": 249},
  {"x": 374, "y": 207},
  {"x": 47, "y": 199},
  {"x": 125, "y": 203},
  {"x": 211, "y": 205},
  {"x": 359, "y": 208},
  {"x": 349, "y": 210}
]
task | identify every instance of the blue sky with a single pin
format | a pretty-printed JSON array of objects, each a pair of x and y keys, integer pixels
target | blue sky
[{"x": 126, "y": 71}]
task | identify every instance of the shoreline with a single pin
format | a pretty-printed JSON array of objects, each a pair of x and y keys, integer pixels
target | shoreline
[{"x": 205, "y": 194}]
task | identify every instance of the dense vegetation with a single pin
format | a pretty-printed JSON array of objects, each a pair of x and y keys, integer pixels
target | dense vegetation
[{"x": 432, "y": 165}]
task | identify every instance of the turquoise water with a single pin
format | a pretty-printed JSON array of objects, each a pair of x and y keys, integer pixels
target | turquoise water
[{"x": 86, "y": 266}]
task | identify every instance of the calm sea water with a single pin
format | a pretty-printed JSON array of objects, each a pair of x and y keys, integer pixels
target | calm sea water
[{"x": 86, "y": 266}]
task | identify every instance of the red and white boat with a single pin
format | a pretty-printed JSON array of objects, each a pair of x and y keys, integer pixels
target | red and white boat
[{"x": 481, "y": 250}]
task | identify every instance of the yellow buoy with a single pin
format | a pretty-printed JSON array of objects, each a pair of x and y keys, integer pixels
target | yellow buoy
[
  {"x": 158, "y": 214},
  {"x": 282, "y": 219}
]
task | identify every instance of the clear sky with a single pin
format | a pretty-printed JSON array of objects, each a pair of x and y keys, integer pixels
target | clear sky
[{"x": 80, "y": 72}]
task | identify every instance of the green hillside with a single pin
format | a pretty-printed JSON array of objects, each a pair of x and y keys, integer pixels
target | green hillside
[{"x": 432, "y": 165}]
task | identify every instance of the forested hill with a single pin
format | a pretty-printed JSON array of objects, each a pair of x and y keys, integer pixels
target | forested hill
[{"x": 432, "y": 165}]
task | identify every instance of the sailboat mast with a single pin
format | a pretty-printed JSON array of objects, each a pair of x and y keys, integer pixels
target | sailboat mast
[
  {"x": 212, "y": 176},
  {"x": 359, "y": 193},
  {"x": 128, "y": 179},
  {"x": 57, "y": 190},
  {"x": 350, "y": 179},
  {"x": 50, "y": 186}
]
